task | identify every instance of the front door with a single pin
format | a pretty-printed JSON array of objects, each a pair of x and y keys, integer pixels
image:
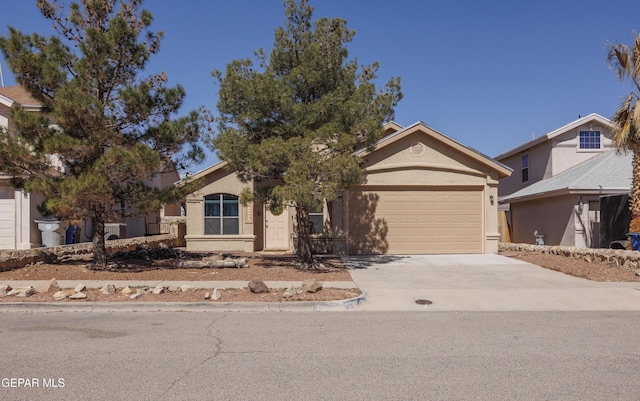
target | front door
[{"x": 277, "y": 231}]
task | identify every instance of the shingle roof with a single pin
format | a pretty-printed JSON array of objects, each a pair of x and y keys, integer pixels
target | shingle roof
[
  {"x": 18, "y": 94},
  {"x": 608, "y": 172}
]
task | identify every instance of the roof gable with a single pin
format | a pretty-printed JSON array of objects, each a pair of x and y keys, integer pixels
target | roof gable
[
  {"x": 557, "y": 132},
  {"x": 420, "y": 127}
]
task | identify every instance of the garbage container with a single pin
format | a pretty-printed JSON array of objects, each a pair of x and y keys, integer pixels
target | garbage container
[
  {"x": 635, "y": 241},
  {"x": 72, "y": 235},
  {"x": 51, "y": 231}
]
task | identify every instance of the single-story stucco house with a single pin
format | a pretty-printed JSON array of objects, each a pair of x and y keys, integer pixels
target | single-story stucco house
[{"x": 424, "y": 193}]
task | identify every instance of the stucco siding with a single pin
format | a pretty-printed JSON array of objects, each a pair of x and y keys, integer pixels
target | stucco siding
[
  {"x": 551, "y": 217},
  {"x": 566, "y": 152},
  {"x": 219, "y": 181},
  {"x": 539, "y": 168}
]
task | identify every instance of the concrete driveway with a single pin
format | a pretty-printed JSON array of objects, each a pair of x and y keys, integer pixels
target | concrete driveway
[{"x": 480, "y": 283}]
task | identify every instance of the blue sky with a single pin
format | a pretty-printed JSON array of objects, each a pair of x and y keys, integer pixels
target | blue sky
[{"x": 489, "y": 74}]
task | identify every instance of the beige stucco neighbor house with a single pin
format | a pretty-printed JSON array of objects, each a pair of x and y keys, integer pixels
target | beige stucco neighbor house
[
  {"x": 558, "y": 181},
  {"x": 18, "y": 209},
  {"x": 424, "y": 194}
]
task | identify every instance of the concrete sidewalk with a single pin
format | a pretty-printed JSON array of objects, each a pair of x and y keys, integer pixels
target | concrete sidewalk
[{"x": 481, "y": 283}]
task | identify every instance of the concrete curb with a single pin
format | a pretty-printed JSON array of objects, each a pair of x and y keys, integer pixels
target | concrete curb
[{"x": 211, "y": 306}]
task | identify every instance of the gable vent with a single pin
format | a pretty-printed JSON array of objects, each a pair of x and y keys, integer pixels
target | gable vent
[{"x": 417, "y": 149}]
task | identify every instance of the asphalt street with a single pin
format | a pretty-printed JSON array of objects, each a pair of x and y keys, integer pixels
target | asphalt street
[{"x": 320, "y": 356}]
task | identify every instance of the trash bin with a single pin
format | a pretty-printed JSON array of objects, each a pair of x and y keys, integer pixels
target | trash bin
[
  {"x": 51, "y": 231},
  {"x": 72, "y": 235},
  {"x": 635, "y": 241}
]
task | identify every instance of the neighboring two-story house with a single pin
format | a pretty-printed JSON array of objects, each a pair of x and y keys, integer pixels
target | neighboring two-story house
[
  {"x": 18, "y": 209},
  {"x": 558, "y": 180}
]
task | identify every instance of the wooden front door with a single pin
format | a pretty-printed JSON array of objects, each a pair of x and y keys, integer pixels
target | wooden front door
[{"x": 277, "y": 231}]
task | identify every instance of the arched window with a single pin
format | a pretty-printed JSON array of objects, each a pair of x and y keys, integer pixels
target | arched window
[{"x": 221, "y": 214}]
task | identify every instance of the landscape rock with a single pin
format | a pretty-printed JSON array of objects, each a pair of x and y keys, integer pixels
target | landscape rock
[
  {"x": 187, "y": 287},
  {"x": 60, "y": 295},
  {"x": 80, "y": 287},
  {"x": 311, "y": 285},
  {"x": 241, "y": 262},
  {"x": 212, "y": 262},
  {"x": 257, "y": 286},
  {"x": 158, "y": 290},
  {"x": 289, "y": 292},
  {"x": 126, "y": 290},
  {"x": 3, "y": 290},
  {"x": 78, "y": 295},
  {"x": 50, "y": 286},
  {"x": 173, "y": 288},
  {"x": 22, "y": 291},
  {"x": 13, "y": 291},
  {"x": 137, "y": 295},
  {"x": 108, "y": 289},
  {"x": 69, "y": 292},
  {"x": 207, "y": 295},
  {"x": 216, "y": 295},
  {"x": 192, "y": 264}
]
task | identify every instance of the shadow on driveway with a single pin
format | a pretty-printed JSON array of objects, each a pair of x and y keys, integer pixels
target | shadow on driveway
[{"x": 366, "y": 261}]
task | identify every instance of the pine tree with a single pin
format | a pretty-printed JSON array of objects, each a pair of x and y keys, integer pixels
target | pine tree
[
  {"x": 292, "y": 124},
  {"x": 105, "y": 132}
]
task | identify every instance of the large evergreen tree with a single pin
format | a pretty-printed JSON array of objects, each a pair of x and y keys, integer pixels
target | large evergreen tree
[
  {"x": 625, "y": 62},
  {"x": 104, "y": 132},
  {"x": 292, "y": 123}
]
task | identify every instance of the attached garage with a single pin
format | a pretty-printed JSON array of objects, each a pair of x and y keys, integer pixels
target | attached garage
[
  {"x": 7, "y": 218},
  {"x": 415, "y": 221},
  {"x": 424, "y": 193}
]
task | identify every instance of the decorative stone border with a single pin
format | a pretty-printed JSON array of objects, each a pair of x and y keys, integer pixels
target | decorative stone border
[{"x": 614, "y": 257}]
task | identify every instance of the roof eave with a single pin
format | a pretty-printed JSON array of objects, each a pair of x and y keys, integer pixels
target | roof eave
[{"x": 564, "y": 191}]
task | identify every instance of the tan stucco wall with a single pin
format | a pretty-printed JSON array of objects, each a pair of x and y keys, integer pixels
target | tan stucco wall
[
  {"x": 219, "y": 181},
  {"x": 566, "y": 152},
  {"x": 552, "y": 157},
  {"x": 539, "y": 167},
  {"x": 552, "y": 217}
]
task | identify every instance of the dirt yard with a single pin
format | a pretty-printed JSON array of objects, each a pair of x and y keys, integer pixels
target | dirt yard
[
  {"x": 161, "y": 265},
  {"x": 580, "y": 268}
]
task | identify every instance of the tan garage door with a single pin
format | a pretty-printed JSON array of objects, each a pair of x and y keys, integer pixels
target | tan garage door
[
  {"x": 427, "y": 221},
  {"x": 7, "y": 218}
]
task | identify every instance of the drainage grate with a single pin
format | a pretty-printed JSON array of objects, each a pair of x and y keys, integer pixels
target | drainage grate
[{"x": 423, "y": 302}]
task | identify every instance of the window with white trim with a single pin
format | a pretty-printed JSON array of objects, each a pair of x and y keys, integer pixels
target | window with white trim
[
  {"x": 589, "y": 140},
  {"x": 525, "y": 167},
  {"x": 316, "y": 217},
  {"x": 221, "y": 214}
]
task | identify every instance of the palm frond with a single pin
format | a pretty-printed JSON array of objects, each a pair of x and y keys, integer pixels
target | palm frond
[{"x": 619, "y": 60}]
